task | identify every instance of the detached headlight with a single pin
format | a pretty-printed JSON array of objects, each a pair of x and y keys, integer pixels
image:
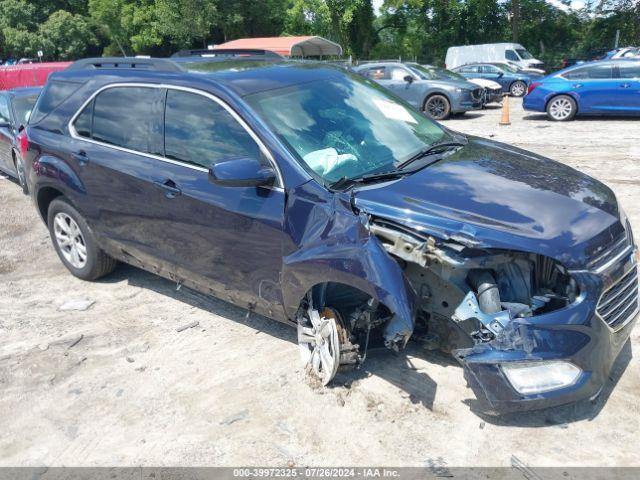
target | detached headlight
[{"x": 539, "y": 377}]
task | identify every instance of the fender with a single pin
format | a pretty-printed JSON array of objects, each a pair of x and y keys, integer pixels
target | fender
[{"x": 335, "y": 245}]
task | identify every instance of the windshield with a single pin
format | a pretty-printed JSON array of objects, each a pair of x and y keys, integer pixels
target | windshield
[
  {"x": 440, "y": 73},
  {"x": 506, "y": 68},
  {"x": 22, "y": 107},
  {"x": 424, "y": 73},
  {"x": 524, "y": 54},
  {"x": 345, "y": 126}
]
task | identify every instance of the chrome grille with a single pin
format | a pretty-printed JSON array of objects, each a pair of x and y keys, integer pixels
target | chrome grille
[
  {"x": 611, "y": 254},
  {"x": 619, "y": 304}
]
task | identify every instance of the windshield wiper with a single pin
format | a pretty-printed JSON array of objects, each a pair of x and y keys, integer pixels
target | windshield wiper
[
  {"x": 345, "y": 182},
  {"x": 431, "y": 150}
]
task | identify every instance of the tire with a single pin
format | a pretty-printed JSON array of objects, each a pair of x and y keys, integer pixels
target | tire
[
  {"x": 18, "y": 163},
  {"x": 75, "y": 243},
  {"x": 562, "y": 108},
  {"x": 437, "y": 107},
  {"x": 518, "y": 89}
]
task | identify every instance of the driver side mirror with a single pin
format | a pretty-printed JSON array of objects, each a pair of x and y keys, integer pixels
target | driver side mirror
[
  {"x": 500, "y": 74},
  {"x": 241, "y": 172},
  {"x": 408, "y": 79}
]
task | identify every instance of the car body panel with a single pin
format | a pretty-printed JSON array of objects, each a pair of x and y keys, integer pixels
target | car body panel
[
  {"x": 497, "y": 74},
  {"x": 593, "y": 96}
]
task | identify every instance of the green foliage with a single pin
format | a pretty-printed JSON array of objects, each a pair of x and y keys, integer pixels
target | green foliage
[{"x": 411, "y": 29}]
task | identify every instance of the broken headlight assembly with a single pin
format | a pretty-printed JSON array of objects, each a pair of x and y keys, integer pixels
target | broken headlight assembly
[{"x": 529, "y": 378}]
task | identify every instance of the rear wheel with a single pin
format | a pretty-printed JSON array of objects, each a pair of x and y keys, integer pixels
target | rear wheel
[
  {"x": 518, "y": 88},
  {"x": 18, "y": 163},
  {"x": 562, "y": 108},
  {"x": 74, "y": 242},
  {"x": 437, "y": 107}
]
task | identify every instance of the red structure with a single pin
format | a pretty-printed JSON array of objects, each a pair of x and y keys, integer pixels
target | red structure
[
  {"x": 29, "y": 74},
  {"x": 310, "y": 46}
]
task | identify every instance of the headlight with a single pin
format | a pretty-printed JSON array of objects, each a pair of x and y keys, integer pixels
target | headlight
[{"x": 539, "y": 377}]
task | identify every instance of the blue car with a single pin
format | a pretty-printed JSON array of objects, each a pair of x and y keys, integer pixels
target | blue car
[
  {"x": 514, "y": 81},
  {"x": 315, "y": 197},
  {"x": 610, "y": 87}
]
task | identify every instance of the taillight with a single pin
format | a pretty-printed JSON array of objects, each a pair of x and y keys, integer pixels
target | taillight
[
  {"x": 23, "y": 143},
  {"x": 532, "y": 87}
]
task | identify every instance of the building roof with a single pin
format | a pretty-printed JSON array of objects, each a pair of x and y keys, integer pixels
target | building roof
[{"x": 309, "y": 46}]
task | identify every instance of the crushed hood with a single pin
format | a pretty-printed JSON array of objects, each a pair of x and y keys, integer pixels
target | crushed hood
[{"x": 496, "y": 196}]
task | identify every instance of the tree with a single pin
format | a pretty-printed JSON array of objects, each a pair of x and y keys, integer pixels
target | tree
[{"x": 65, "y": 36}]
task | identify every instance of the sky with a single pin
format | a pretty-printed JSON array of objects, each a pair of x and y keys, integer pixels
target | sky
[{"x": 575, "y": 5}]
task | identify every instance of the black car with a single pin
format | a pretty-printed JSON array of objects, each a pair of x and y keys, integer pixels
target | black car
[
  {"x": 15, "y": 108},
  {"x": 314, "y": 196}
]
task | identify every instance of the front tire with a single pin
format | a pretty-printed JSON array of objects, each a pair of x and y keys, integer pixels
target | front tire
[
  {"x": 518, "y": 88},
  {"x": 562, "y": 108},
  {"x": 437, "y": 107},
  {"x": 75, "y": 244}
]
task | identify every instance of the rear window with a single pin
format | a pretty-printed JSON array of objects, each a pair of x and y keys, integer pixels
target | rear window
[
  {"x": 54, "y": 93},
  {"x": 22, "y": 107}
]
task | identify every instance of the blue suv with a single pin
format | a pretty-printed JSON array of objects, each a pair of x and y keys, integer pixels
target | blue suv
[
  {"x": 313, "y": 196},
  {"x": 610, "y": 87}
]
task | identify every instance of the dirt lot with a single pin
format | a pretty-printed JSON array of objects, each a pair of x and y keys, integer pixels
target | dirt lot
[{"x": 114, "y": 383}]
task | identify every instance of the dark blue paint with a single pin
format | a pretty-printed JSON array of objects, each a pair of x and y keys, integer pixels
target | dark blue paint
[
  {"x": 505, "y": 79},
  {"x": 266, "y": 247}
]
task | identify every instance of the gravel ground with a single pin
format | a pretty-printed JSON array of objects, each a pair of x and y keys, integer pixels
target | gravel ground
[{"x": 96, "y": 373}]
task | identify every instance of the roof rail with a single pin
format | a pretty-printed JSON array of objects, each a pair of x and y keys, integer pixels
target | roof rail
[
  {"x": 230, "y": 52},
  {"x": 157, "y": 64}
]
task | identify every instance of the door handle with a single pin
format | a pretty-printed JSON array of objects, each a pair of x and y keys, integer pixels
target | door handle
[
  {"x": 81, "y": 157},
  {"x": 170, "y": 188},
  {"x": 577, "y": 85},
  {"x": 625, "y": 85}
]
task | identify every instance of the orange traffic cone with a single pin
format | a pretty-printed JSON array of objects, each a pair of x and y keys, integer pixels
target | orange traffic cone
[{"x": 505, "y": 111}]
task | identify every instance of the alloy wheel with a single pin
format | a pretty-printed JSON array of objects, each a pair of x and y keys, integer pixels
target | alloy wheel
[
  {"x": 560, "y": 108},
  {"x": 319, "y": 344},
  {"x": 436, "y": 107},
  {"x": 21, "y": 176},
  {"x": 70, "y": 240},
  {"x": 518, "y": 89}
]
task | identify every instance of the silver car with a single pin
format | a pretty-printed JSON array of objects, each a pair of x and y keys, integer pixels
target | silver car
[{"x": 438, "y": 97}]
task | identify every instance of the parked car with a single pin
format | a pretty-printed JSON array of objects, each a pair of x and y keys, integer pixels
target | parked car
[
  {"x": 492, "y": 91},
  {"x": 15, "y": 107},
  {"x": 597, "y": 88},
  {"x": 315, "y": 197},
  {"x": 538, "y": 71},
  {"x": 438, "y": 97},
  {"x": 623, "y": 52},
  {"x": 489, "y": 53},
  {"x": 513, "y": 81}
]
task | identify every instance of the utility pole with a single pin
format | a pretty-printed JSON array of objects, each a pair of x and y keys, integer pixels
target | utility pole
[{"x": 515, "y": 20}]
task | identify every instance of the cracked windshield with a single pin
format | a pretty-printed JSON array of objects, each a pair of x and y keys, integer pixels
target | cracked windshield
[{"x": 345, "y": 128}]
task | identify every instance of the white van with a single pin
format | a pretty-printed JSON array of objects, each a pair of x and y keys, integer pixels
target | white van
[{"x": 491, "y": 52}]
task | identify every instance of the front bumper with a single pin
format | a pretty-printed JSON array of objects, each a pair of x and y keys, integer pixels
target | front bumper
[
  {"x": 467, "y": 102},
  {"x": 576, "y": 334}
]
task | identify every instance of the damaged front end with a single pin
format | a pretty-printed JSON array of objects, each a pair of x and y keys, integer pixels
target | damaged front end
[{"x": 521, "y": 324}]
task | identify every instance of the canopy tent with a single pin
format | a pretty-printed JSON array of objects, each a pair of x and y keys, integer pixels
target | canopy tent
[{"x": 310, "y": 46}]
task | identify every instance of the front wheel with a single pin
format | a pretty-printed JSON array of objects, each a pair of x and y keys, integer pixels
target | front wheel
[
  {"x": 562, "y": 108},
  {"x": 518, "y": 88},
  {"x": 437, "y": 107},
  {"x": 75, "y": 244}
]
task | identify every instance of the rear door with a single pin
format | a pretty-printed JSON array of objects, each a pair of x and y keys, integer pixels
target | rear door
[
  {"x": 629, "y": 86},
  {"x": 6, "y": 160}
]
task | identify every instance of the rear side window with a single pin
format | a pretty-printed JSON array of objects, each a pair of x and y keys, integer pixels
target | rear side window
[
  {"x": 200, "y": 132},
  {"x": 84, "y": 120},
  {"x": 4, "y": 109},
  {"x": 124, "y": 117},
  {"x": 54, "y": 93},
  {"x": 376, "y": 73}
]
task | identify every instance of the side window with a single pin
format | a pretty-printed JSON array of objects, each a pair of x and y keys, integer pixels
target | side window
[
  {"x": 629, "y": 70},
  {"x": 123, "y": 116},
  {"x": 84, "y": 120},
  {"x": 469, "y": 69},
  {"x": 398, "y": 73},
  {"x": 578, "y": 73},
  {"x": 511, "y": 55},
  {"x": 4, "y": 109},
  {"x": 200, "y": 132},
  {"x": 600, "y": 72},
  {"x": 376, "y": 73},
  {"x": 489, "y": 69}
]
